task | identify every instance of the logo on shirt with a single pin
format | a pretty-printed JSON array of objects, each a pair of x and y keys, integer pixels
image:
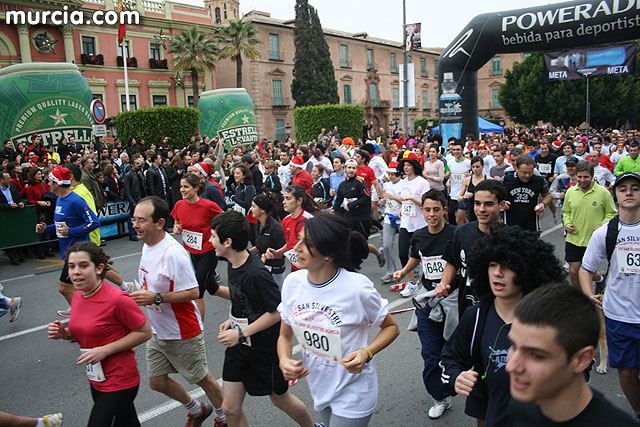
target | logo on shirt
[
  {"x": 498, "y": 358},
  {"x": 595, "y": 203}
]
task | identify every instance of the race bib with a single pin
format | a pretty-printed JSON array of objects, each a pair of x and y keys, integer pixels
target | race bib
[
  {"x": 433, "y": 267},
  {"x": 239, "y": 323},
  {"x": 628, "y": 257},
  {"x": 292, "y": 256},
  {"x": 155, "y": 308},
  {"x": 94, "y": 372},
  {"x": 59, "y": 227},
  {"x": 392, "y": 205},
  {"x": 457, "y": 178},
  {"x": 409, "y": 210},
  {"x": 193, "y": 239},
  {"x": 319, "y": 340},
  {"x": 240, "y": 209},
  {"x": 544, "y": 167},
  {"x": 347, "y": 201}
]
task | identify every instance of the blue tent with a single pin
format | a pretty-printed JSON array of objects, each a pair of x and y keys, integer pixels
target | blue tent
[{"x": 483, "y": 125}]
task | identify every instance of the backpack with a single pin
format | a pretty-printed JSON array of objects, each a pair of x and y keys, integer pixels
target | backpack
[{"x": 610, "y": 240}]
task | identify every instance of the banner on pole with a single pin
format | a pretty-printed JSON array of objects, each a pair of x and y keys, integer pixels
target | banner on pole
[
  {"x": 412, "y": 36},
  {"x": 591, "y": 62}
]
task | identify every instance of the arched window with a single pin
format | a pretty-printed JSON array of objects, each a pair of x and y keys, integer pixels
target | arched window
[{"x": 218, "y": 19}]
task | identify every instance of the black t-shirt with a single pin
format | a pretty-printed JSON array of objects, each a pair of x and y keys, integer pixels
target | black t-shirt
[
  {"x": 430, "y": 246},
  {"x": 271, "y": 236},
  {"x": 599, "y": 412},
  {"x": 494, "y": 399},
  {"x": 254, "y": 293},
  {"x": 456, "y": 252},
  {"x": 546, "y": 165},
  {"x": 524, "y": 196}
]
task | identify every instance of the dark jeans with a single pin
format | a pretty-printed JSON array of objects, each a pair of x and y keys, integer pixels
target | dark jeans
[
  {"x": 404, "y": 237},
  {"x": 114, "y": 408},
  {"x": 430, "y": 334},
  {"x": 453, "y": 208}
]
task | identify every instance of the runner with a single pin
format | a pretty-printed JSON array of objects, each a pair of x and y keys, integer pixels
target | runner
[
  {"x": 51, "y": 420},
  {"x": 553, "y": 340},
  {"x": 393, "y": 203},
  {"x": 270, "y": 235},
  {"x": 193, "y": 217},
  {"x": 330, "y": 308},
  {"x": 10, "y": 305},
  {"x": 251, "y": 333},
  {"x": 73, "y": 221},
  {"x": 299, "y": 176},
  {"x": 107, "y": 325},
  {"x": 618, "y": 243},
  {"x": 169, "y": 288},
  {"x": 528, "y": 195},
  {"x": 427, "y": 247},
  {"x": 474, "y": 358},
  {"x": 459, "y": 168},
  {"x": 465, "y": 198}
]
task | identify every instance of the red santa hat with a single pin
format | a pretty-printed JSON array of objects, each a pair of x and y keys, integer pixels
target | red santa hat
[
  {"x": 298, "y": 162},
  {"x": 60, "y": 175},
  {"x": 204, "y": 168}
]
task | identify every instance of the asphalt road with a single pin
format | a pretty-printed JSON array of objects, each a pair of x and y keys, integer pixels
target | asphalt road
[{"x": 39, "y": 376}]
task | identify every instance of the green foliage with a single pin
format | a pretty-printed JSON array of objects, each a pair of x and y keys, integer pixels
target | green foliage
[
  {"x": 314, "y": 81},
  {"x": 154, "y": 123},
  {"x": 528, "y": 96},
  {"x": 237, "y": 39},
  {"x": 425, "y": 124},
  {"x": 311, "y": 119}
]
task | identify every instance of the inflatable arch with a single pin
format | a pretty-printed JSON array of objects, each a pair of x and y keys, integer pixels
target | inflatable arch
[{"x": 553, "y": 26}]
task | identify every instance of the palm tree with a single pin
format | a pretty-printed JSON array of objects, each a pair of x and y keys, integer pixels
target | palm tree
[
  {"x": 194, "y": 52},
  {"x": 238, "y": 38}
]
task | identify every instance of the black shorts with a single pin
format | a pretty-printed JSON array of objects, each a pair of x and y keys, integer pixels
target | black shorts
[
  {"x": 573, "y": 253},
  {"x": 64, "y": 274},
  {"x": 258, "y": 371},
  {"x": 362, "y": 226}
]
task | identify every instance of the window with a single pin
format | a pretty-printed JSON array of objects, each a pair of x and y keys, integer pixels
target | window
[
  {"x": 435, "y": 67},
  {"x": 218, "y": 19},
  {"x": 154, "y": 51},
  {"x": 97, "y": 96},
  {"x": 277, "y": 92},
  {"x": 280, "y": 130},
  {"x": 225, "y": 6},
  {"x": 132, "y": 102},
  {"x": 394, "y": 63},
  {"x": 409, "y": 60},
  {"x": 496, "y": 101},
  {"x": 496, "y": 66},
  {"x": 396, "y": 97},
  {"x": 127, "y": 48},
  {"x": 373, "y": 94},
  {"x": 274, "y": 47},
  {"x": 425, "y": 100},
  {"x": 225, "y": 15},
  {"x": 369, "y": 59},
  {"x": 159, "y": 100},
  {"x": 190, "y": 101},
  {"x": 347, "y": 94},
  {"x": 88, "y": 45},
  {"x": 344, "y": 56},
  {"x": 413, "y": 124},
  {"x": 423, "y": 67}
]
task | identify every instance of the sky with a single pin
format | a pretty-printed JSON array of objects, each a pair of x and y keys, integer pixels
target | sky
[{"x": 441, "y": 20}]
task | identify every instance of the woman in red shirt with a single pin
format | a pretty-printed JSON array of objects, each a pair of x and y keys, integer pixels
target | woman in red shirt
[
  {"x": 193, "y": 217},
  {"x": 107, "y": 324}
]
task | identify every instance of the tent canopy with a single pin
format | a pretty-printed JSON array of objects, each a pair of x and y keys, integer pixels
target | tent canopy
[{"x": 483, "y": 126}]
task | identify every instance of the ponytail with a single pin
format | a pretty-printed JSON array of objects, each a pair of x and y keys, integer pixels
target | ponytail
[{"x": 308, "y": 204}]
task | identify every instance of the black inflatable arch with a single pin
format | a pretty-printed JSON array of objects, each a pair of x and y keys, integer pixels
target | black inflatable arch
[{"x": 554, "y": 26}]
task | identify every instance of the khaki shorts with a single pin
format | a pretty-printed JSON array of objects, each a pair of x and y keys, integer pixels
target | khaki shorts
[{"x": 185, "y": 357}]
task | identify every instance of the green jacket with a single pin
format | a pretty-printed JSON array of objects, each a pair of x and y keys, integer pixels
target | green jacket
[
  {"x": 627, "y": 164},
  {"x": 586, "y": 211}
]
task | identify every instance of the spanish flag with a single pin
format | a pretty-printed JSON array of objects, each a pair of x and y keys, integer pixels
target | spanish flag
[{"x": 122, "y": 29}]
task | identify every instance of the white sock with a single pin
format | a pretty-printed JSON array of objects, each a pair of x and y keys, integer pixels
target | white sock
[
  {"x": 40, "y": 423},
  {"x": 193, "y": 407},
  {"x": 220, "y": 415}
]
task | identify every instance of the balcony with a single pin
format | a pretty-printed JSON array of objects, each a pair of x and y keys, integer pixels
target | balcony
[
  {"x": 275, "y": 55},
  {"x": 427, "y": 107},
  {"x": 372, "y": 66},
  {"x": 345, "y": 63},
  {"x": 281, "y": 102},
  {"x": 377, "y": 103},
  {"x": 495, "y": 72}
]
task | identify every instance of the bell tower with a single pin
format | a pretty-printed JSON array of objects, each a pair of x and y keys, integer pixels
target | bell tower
[{"x": 223, "y": 11}]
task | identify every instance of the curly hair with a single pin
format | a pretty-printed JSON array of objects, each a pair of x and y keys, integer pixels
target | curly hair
[
  {"x": 96, "y": 255},
  {"x": 532, "y": 259}
]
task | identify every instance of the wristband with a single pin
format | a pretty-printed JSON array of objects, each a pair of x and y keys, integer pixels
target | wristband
[{"x": 368, "y": 352}]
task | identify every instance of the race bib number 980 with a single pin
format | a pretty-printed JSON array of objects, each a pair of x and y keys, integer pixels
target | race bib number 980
[{"x": 317, "y": 339}]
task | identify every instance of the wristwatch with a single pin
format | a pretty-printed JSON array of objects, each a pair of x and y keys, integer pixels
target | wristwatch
[
  {"x": 158, "y": 299},
  {"x": 241, "y": 338}
]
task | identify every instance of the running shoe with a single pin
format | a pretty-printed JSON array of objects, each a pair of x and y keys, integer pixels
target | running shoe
[
  {"x": 380, "y": 257},
  {"x": 387, "y": 278},
  {"x": 398, "y": 287},
  {"x": 65, "y": 313},
  {"x": 318, "y": 424},
  {"x": 14, "y": 308},
  {"x": 439, "y": 407},
  {"x": 197, "y": 420},
  {"x": 219, "y": 423},
  {"x": 411, "y": 288},
  {"x": 52, "y": 420},
  {"x": 292, "y": 383}
]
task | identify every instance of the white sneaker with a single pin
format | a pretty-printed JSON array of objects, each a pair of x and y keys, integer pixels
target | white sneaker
[
  {"x": 387, "y": 278},
  {"x": 411, "y": 288},
  {"x": 439, "y": 407}
]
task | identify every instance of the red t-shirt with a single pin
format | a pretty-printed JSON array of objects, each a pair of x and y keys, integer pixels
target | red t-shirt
[
  {"x": 304, "y": 180},
  {"x": 367, "y": 174},
  {"x": 195, "y": 220},
  {"x": 103, "y": 318},
  {"x": 292, "y": 227}
]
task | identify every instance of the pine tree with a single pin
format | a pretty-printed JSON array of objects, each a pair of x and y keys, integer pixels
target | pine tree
[{"x": 314, "y": 81}]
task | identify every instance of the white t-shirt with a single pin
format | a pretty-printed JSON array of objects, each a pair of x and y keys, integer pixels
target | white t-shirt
[
  {"x": 622, "y": 297},
  {"x": 489, "y": 162},
  {"x": 347, "y": 303},
  {"x": 616, "y": 157},
  {"x": 392, "y": 206},
  {"x": 459, "y": 172},
  {"x": 379, "y": 167},
  {"x": 412, "y": 218},
  {"x": 166, "y": 267},
  {"x": 284, "y": 173},
  {"x": 327, "y": 163}
]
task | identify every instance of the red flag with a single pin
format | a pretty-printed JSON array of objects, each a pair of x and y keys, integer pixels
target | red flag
[{"x": 122, "y": 29}]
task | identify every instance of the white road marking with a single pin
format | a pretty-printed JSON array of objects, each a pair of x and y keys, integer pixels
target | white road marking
[
  {"x": 28, "y": 331},
  {"x": 551, "y": 230}
]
